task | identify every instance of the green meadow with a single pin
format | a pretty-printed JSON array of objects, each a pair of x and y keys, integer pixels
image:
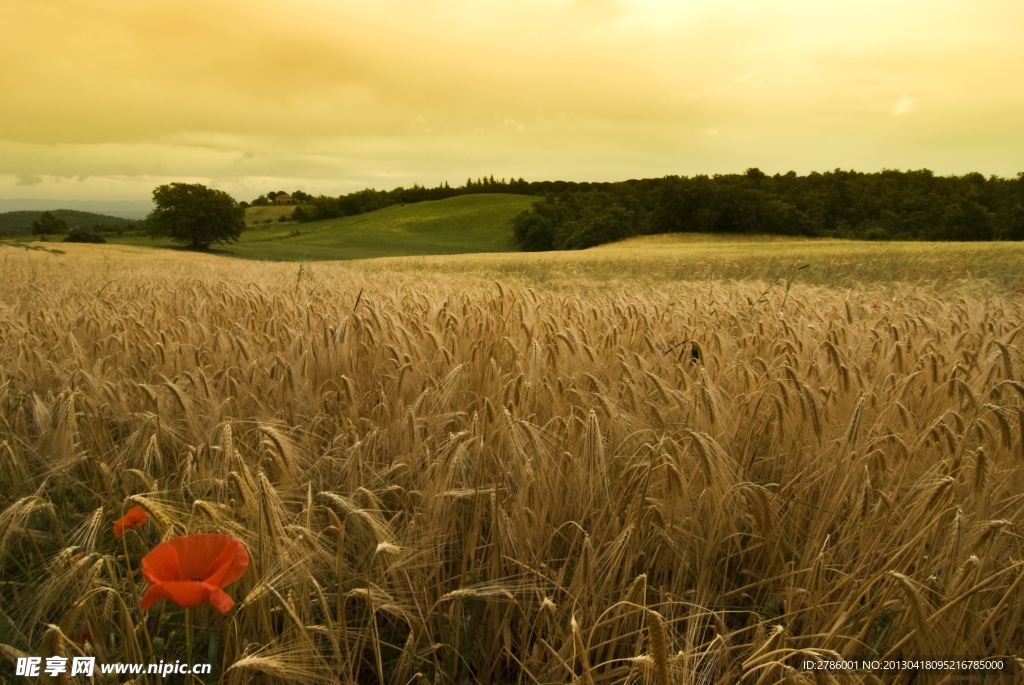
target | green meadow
[
  {"x": 262, "y": 214},
  {"x": 468, "y": 223}
]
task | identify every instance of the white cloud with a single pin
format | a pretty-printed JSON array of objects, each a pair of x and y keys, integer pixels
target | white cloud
[
  {"x": 904, "y": 105},
  {"x": 511, "y": 124},
  {"x": 750, "y": 76}
]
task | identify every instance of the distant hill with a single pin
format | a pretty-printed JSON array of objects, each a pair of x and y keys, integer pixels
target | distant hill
[
  {"x": 20, "y": 223},
  {"x": 457, "y": 225},
  {"x": 126, "y": 209}
]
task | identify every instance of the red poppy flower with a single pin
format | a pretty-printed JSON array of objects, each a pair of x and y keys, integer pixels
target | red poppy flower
[
  {"x": 192, "y": 569},
  {"x": 83, "y": 635},
  {"x": 135, "y": 517}
]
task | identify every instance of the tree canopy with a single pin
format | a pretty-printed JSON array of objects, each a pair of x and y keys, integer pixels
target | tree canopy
[
  {"x": 900, "y": 205},
  {"x": 48, "y": 224},
  {"x": 194, "y": 215}
]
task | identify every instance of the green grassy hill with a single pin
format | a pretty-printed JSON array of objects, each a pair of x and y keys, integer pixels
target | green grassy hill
[
  {"x": 261, "y": 214},
  {"x": 458, "y": 225},
  {"x": 20, "y": 223}
]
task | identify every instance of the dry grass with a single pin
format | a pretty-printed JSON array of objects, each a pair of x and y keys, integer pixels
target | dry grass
[
  {"x": 464, "y": 480},
  {"x": 653, "y": 260}
]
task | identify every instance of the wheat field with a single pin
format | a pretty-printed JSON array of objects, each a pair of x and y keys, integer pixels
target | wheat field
[{"x": 443, "y": 478}]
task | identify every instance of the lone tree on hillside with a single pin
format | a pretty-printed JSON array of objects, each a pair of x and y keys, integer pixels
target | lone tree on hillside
[{"x": 194, "y": 215}]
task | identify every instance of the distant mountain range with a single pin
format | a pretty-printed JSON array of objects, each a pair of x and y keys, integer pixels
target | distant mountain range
[{"x": 126, "y": 209}]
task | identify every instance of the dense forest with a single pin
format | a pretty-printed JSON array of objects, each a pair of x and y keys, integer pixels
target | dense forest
[{"x": 889, "y": 205}]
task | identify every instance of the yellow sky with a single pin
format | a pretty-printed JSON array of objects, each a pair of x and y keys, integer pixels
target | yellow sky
[{"x": 108, "y": 98}]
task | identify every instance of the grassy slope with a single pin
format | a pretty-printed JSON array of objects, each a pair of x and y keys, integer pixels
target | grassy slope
[
  {"x": 470, "y": 223},
  {"x": 259, "y": 214}
]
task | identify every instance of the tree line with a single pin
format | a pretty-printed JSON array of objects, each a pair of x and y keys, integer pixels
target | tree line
[
  {"x": 888, "y": 205},
  {"x": 271, "y": 198}
]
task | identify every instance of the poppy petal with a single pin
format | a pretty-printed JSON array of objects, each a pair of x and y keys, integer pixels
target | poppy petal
[
  {"x": 187, "y": 593},
  {"x": 199, "y": 552},
  {"x": 153, "y": 595},
  {"x": 229, "y": 565},
  {"x": 162, "y": 563},
  {"x": 220, "y": 600},
  {"x": 184, "y": 593},
  {"x": 134, "y": 518}
]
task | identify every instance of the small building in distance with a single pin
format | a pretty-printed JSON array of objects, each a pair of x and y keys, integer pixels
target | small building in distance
[{"x": 284, "y": 199}]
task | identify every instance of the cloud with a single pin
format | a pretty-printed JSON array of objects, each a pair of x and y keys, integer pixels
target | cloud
[
  {"x": 751, "y": 75},
  {"x": 904, "y": 105},
  {"x": 338, "y": 95},
  {"x": 512, "y": 125}
]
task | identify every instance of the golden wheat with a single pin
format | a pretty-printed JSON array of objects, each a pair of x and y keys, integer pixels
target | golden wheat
[{"x": 448, "y": 479}]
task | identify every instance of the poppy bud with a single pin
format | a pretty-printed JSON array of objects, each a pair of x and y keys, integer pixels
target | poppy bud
[{"x": 135, "y": 517}]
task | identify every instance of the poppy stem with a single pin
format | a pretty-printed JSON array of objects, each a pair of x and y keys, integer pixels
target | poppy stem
[
  {"x": 135, "y": 595},
  {"x": 192, "y": 678},
  {"x": 188, "y": 638}
]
